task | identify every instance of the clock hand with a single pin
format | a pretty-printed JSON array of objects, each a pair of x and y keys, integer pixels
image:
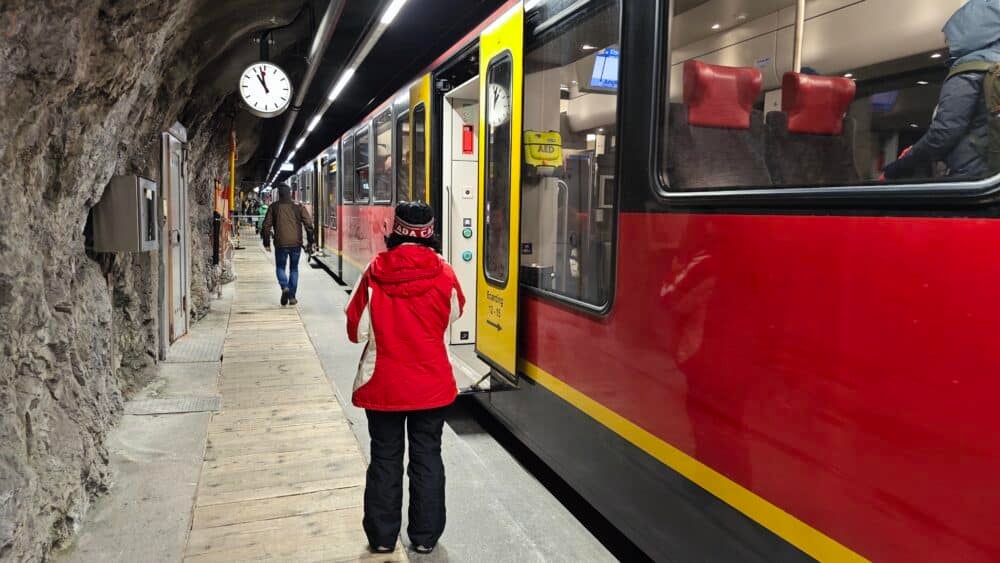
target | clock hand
[{"x": 260, "y": 77}]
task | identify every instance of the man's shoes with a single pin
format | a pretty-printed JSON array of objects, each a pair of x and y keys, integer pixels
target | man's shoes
[
  {"x": 285, "y": 296},
  {"x": 382, "y": 549},
  {"x": 293, "y": 301},
  {"x": 423, "y": 549}
]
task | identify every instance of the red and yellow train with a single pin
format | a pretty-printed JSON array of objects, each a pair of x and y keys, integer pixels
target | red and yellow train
[{"x": 724, "y": 331}]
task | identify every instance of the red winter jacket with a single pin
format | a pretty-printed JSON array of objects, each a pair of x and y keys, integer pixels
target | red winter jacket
[{"x": 409, "y": 295}]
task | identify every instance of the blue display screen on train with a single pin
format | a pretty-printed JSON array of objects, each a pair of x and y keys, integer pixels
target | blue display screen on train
[
  {"x": 883, "y": 102},
  {"x": 605, "y": 73}
]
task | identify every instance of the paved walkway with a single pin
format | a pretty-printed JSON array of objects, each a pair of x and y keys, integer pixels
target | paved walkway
[{"x": 283, "y": 474}]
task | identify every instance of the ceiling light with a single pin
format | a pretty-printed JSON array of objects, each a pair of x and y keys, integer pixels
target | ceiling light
[
  {"x": 591, "y": 137},
  {"x": 291, "y": 155},
  {"x": 849, "y": 75},
  {"x": 390, "y": 13},
  {"x": 914, "y": 125},
  {"x": 313, "y": 123},
  {"x": 936, "y": 56},
  {"x": 716, "y": 26},
  {"x": 298, "y": 145},
  {"x": 588, "y": 47},
  {"x": 344, "y": 79},
  {"x": 922, "y": 82},
  {"x": 600, "y": 129},
  {"x": 286, "y": 167},
  {"x": 741, "y": 17}
]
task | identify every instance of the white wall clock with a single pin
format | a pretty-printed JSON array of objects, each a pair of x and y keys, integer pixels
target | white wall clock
[
  {"x": 499, "y": 104},
  {"x": 265, "y": 89}
]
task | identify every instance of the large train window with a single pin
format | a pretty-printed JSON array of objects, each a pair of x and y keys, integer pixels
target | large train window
[
  {"x": 419, "y": 153},
  {"x": 347, "y": 149},
  {"x": 402, "y": 156},
  {"x": 496, "y": 243},
  {"x": 362, "y": 178},
  {"x": 568, "y": 188},
  {"x": 329, "y": 163},
  {"x": 873, "y": 107},
  {"x": 383, "y": 159}
]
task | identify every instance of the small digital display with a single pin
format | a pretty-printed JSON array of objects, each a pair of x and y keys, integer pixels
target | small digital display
[
  {"x": 605, "y": 73},
  {"x": 883, "y": 102}
]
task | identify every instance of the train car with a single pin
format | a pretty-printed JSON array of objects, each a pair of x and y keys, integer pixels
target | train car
[{"x": 709, "y": 314}]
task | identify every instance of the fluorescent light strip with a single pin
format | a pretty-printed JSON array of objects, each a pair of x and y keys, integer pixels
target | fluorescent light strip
[
  {"x": 390, "y": 13},
  {"x": 298, "y": 145},
  {"x": 313, "y": 123},
  {"x": 344, "y": 79}
]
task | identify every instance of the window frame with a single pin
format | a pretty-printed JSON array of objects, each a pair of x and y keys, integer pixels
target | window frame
[
  {"x": 504, "y": 56},
  {"x": 399, "y": 118},
  {"x": 375, "y": 156},
  {"x": 365, "y": 129},
  {"x": 346, "y": 145},
  {"x": 555, "y": 25},
  {"x": 877, "y": 196},
  {"x": 334, "y": 189},
  {"x": 421, "y": 108}
]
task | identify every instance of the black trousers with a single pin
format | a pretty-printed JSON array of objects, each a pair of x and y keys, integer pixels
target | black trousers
[{"x": 384, "y": 483}]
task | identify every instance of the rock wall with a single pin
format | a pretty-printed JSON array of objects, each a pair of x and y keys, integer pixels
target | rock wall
[{"x": 86, "y": 87}]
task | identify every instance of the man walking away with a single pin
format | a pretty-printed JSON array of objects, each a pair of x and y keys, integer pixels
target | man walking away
[{"x": 286, "y": 219}]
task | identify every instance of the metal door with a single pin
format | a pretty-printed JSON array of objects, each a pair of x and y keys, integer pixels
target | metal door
[{"x": 177, "y": 236}]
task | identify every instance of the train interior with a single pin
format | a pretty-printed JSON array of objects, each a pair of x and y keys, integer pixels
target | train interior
[
  {"x": 897, "y": 83},
  {"x": 571, "y": 80}
]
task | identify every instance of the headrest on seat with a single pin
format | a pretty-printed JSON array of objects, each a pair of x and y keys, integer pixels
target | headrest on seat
[
  {"x": 816, "y": 104},
  {"x": 720, "y": 96}
]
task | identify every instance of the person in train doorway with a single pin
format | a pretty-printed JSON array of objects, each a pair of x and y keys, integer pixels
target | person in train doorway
[
  {"x": 287, "y": 219},
  {"x": 959, "y": 133},
  {"x": 401, "y": 306}
]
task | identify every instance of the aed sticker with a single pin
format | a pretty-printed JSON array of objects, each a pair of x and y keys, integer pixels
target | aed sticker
[
  {"x": 526, "y": 248},
  {"x": 466, "y": 221}
]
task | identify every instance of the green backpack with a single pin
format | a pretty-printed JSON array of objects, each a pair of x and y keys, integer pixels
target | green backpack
[{"x": 991, "y": 91}]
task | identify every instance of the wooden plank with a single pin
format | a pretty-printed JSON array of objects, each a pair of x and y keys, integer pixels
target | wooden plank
[
  {"x": 277, "y": 507},
  {"x": 349, "y": 467},
  {"x": 271, "y": 490},
  {"x": 261, "y": 432},
  {"x": 285, "y": 413},
  {"x": 340, "y": 445}
]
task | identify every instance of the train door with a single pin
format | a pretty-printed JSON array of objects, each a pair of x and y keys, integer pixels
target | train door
[
  {"x": 420, "y": 131},
  {"x": 331, "y": 227},
  {"x": 498, "y": 264},
  {"x": 176, "y": 231},
  {"x": 460, "y": 178}
]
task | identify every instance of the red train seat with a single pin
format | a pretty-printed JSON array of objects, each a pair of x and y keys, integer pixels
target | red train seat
[
  {"x": 811, "y": 141},
  {"x": 716, "y": 136}
]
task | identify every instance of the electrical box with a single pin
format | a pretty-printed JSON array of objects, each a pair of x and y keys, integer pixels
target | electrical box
[{"x": 125, "y": 218}]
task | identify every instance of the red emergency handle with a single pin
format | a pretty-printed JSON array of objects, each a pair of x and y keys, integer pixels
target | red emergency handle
[{"x": 468, "y": 135}]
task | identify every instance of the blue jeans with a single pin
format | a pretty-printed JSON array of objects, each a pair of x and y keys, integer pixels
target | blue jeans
[{"x": 283, "y": 256}]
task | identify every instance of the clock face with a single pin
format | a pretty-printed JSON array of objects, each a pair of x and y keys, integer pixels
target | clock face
[
  {"x": 498, "y": 101},
  {"x": 265, "y": 89}
]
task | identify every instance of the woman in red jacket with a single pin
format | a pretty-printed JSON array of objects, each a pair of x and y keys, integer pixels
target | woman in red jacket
[{"x": 402, "y": 305}]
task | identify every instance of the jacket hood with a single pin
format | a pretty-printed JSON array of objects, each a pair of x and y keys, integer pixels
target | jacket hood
[
  {"x": 407, "y": 270},
  {"x": 973, "y": 32}
]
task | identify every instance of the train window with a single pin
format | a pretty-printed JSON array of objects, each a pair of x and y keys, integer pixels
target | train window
[
  {"x": 402, "y": 156},
  {"x": 347, "y": 147},
  {"x": 383, "y": 158},
  {"x": 570, "y": 134},
  {"x": 496, "y": 233},
  {"x": 863, "y": 110},
  {"x": 362, "y": 180},
  {"x": 419, "y": 153},
  {"x": 330, "y": 183}
]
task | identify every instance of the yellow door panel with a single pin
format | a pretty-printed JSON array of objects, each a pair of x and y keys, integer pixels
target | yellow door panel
[
  {"x": 498, "y": 262},
  {"x": 420, "y": 139}
]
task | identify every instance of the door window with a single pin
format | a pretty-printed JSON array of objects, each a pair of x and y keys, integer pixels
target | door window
[
  {"x": 383, "y": 159},
  {"x": 419, "y": 153},
  {"x": 402, "y": 156},
  {"x": 362, "y": 184},
  {"x": 348, "y": 166},
  {"x": 330, "y": 182},
  {"x": 496, "y": 244}
]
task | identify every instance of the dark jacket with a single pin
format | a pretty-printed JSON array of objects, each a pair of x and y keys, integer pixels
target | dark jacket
[
  {"x": 958, "y": 134},
  {"x": 402, "y": 305},
  {"x": 287, "y": 219}
]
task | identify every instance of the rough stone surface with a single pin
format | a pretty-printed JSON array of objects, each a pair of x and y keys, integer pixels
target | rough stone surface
[{"x": 86, "y": 88}]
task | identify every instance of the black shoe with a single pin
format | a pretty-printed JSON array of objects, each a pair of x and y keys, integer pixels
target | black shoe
[
  {"x": 382, "y": 549},
  {"x": 285, "y": 296},
  {"x": 423, "y": 549},
  {"x": 293, "y": 301}
]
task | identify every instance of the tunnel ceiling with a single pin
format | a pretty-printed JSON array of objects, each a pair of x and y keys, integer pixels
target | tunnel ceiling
[{"x": 423, "y": 30}]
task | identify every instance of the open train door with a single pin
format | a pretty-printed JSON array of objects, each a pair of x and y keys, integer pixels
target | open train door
[
  {"x": 498, "y": 262},
  {"x": 420, "y": 139}
]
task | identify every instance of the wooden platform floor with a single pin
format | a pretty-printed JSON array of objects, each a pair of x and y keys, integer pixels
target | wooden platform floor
[{"x": 283, "y": 476}]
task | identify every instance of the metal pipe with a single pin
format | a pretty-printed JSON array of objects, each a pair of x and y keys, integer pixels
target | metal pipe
[
  {"x": 800, "y": 28},
  {"x": 323, "y": 35}
]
